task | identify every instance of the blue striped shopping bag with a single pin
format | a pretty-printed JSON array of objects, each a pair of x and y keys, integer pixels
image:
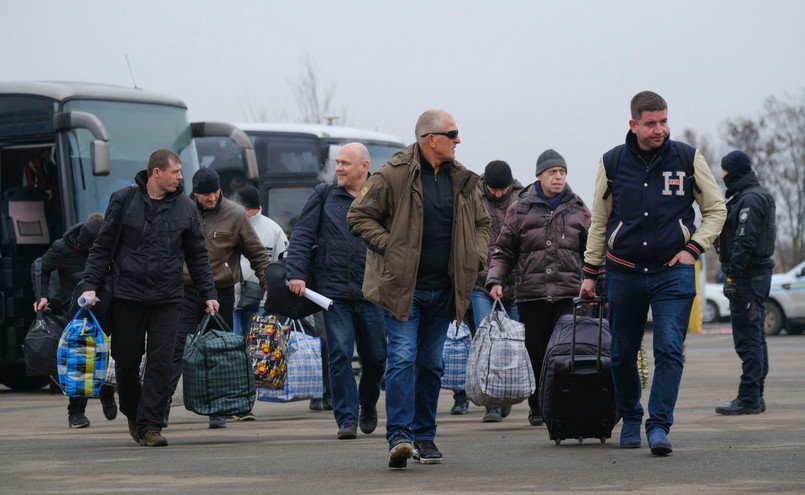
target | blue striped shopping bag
[
  {"x": 454, "y": 356},
  {"x": 82, "y": 356}
]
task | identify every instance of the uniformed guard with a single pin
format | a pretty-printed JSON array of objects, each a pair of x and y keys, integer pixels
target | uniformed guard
[{"x": 746, "y": 245}]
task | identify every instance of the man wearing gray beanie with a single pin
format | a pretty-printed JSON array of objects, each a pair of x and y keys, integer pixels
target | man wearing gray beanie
[{"x": 544, "y": 232}]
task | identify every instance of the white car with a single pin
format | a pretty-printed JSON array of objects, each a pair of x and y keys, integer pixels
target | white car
[
  {"x": 785, "y": 307},
  {"x": 716, "y": 306}
]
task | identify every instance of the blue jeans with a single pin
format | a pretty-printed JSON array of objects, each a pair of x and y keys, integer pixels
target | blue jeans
[
  {"x": 482, "y": 306},
  {"x": 748, "y": 315},
  {"x": 414, "y": 368},
  {"x": 349, "y": 323},
  {"x": 242, "y": 321},
  {"x": 670, "y": 295}
]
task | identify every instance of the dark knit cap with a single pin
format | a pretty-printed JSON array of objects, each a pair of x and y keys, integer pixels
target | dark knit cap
[
  {"x": 88, "y": 233},
  {"x": 736, "y": 161},
  {"x": 498, "y": 175},
  {"x": 206, "y": 181},
  {"x": 248, "y": 197},
  {"x": 549, "y": 159}
]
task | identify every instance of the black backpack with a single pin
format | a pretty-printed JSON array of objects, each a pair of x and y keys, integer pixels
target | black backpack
[{"x": 611, "y": 166}]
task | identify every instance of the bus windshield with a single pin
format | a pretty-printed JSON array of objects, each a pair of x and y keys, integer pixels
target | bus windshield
[{"x": 135, "y": 131}]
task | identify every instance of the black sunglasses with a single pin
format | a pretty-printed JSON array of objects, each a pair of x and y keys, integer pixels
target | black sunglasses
[{"x": 449, "y": 134}]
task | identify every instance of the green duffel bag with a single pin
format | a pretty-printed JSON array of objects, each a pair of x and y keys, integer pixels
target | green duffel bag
[{"x": 218, "y": 379}]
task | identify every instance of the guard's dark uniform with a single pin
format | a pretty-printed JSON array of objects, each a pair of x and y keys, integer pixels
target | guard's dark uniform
[{"x": 746, "y": 245}]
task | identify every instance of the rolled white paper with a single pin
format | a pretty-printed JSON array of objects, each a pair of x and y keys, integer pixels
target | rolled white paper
[
  {"x": 84, "y": 301},
  {"x": 323, "y": 301}
]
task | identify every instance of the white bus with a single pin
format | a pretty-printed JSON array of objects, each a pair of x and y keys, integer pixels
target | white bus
[
  {"x": 64, "y": 148},
  {"x": 291, "y": 159}
]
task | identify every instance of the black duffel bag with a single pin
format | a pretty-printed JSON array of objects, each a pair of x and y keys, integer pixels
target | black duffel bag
[
  {"x": 279, "y": 298},
  {"x": 42, "y": 340}
]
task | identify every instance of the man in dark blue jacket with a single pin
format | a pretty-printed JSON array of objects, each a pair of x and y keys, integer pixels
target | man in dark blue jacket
[
  {"x": 643, "y": 225},
  {"x": 159, "y": 230},
  {"x": 745, "y": 247},
  {"x": 338, "y": 270}
]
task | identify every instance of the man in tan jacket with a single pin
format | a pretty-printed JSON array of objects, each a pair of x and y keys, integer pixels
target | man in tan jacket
[
  {"x": 227, "y": 235},
  {"x": 427, "y": 232}
]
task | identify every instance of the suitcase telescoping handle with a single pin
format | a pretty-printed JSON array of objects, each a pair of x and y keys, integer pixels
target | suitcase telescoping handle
[{"x": 577, "y": 303}]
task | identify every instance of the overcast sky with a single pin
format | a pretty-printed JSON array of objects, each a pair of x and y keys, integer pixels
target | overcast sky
[{"x": 518, "y": 76}]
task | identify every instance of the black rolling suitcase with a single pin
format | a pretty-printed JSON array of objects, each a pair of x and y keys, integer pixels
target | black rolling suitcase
[{"x": 577, "y": 395}]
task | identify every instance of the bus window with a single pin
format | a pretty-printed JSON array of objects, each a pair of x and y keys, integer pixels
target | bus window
[
  {"x": 283, "y": 155},
  {"x": 285, "y": 204}
]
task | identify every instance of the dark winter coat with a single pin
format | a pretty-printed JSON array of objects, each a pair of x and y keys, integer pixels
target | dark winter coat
[
  {"x": 548, "y": 246},
  {"x": 147, "y": 267},
  {"x": 497, "y": 207},
  {"x": 65, "y": 258},
  {"x": 340, "y": 258},
  {"x": 746, "y": 242}
]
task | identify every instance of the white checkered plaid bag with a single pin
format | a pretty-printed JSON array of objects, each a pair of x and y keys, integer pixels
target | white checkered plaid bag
[
  {"x": 111, "y": 374},
  {"x": 498, "y": 368},
  {"x": 454, "y": 356},
  {"x": 304, "y": 370}
]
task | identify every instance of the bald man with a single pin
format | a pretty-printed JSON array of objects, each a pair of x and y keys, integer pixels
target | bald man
[{"x": 338, "y": 268}]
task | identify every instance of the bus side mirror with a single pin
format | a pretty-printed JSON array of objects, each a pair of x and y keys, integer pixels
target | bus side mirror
[
  {"x": 241, "y": 139},
  {"x": 101, "y": 163}
]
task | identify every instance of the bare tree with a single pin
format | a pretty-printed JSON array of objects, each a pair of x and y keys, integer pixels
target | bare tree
[
  {"x": 776, "y": 145},
  {"x": 312, "y": 101}
]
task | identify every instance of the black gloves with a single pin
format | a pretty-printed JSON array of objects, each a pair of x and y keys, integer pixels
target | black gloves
[{"x": 732, "y": 290}]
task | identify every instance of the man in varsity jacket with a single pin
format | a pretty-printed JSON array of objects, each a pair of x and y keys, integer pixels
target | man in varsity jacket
[{"x": 643, "y": 225}]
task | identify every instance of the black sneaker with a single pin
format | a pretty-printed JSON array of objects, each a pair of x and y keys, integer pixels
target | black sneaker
[
  {"x": 504, "y": 411},
  {"x": 492, "y": 415},
  {"x": 246, "y": 416},
  {"x": 425, "y": 452},
  {"x": 762, "y": 405},
  {"x": 461, "y": 404},
  {"x": 217, "y": 422},
  {"x": 107, "y": 397},
  {"x": 368, "y": 419},
  {"x": 739, "y": 406},
  {"x": 77, "y": 420},
  {"x": 400, "y": 450},
  {"x": 534, "y": 419},
  {"x": 316, "y": 404},
  {"x": 348, "y": 431}
]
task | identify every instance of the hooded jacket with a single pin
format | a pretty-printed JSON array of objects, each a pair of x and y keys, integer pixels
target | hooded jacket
[
  {"x": 388, "y": 215},
  {"x": 547, "y": 246},
  {"x": 147, "y": 265},
  {"x": 746, "y": 243},
  {"x": 496, "y": 207},
  {"x": 65, "y": 258}
]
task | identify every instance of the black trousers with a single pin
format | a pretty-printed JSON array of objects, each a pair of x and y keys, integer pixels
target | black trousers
[
  {"x": 144, "y": 404},
  {"x": 539, "y": 318},
  {"x": 191, "y": 314}
]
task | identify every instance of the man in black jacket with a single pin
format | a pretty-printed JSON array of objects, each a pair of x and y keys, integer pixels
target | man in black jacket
[
  {"x": 745, "y": 247},
  {"x": 339, "y": 268},
  {"x": 67, "y": 257},
  {"x": 158, "y": 232}
]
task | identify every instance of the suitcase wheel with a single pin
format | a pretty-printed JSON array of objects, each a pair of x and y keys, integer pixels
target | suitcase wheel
[
  {"x": 558, "y": 441},
  {"x": 603, "y": 439}
]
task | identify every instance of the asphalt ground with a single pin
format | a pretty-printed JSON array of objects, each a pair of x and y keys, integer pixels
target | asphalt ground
[{"x": 290, "y": 449}]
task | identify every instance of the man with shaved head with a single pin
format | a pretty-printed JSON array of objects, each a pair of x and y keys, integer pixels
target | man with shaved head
[
  {"x": 423, "y": 218},
  {"x": 338, "y": 270}
]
